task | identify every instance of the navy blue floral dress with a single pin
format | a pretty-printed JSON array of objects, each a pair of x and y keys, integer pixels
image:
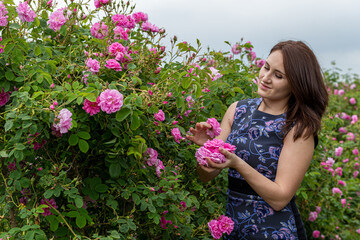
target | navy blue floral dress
[{"x": 258, "y": 139}]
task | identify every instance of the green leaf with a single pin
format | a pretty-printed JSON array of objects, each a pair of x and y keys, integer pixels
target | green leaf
[
  {"x": 136, "y": 198},
  {"x": 80, "y": 221},
  {"x": 4, "y": 154},
  {"x": 29, "y": 235},
  {"x": 18, "y": 55},
  {"x": 83, "y": 145},
  {"x": 115, "y": 170},
  {"x": 79, "y": 202},
  {"x": 73, "y": 214},
  {"x": 73, "y": 139},
  {"x": 19, "y": 155},
  {"x": 54, "y": 225},
  {"x": 8, "y": 125},
  {"x": 48, "y": 194},
  {"x": 84, "y": 135},
  {"x": 237, "y": 89},
  {"x": 91, "y": 97},
  {"x": 122, "y": 114},
  {"x": 37, "y": 51},
  {"x": 101, "y": 188},
  {"x": 124, "y": 228},
  {"x": 9, "y": 75},
  {"x": 63, "y": 30},
  {"x": 19, "y": 146},
  {"x": 36, "y": 94},
  {"x": 33, "y": 129},
  {"x": 135, "y": 121}
]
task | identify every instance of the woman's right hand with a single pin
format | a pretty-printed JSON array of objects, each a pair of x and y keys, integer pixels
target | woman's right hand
[{"x": 199, "y": 136}]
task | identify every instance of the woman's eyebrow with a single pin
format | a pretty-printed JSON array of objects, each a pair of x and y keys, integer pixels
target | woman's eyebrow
[{"x": 276, "y": 70}]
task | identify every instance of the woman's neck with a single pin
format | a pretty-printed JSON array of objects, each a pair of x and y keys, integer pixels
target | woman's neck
[{"x": 273, "y": 107}]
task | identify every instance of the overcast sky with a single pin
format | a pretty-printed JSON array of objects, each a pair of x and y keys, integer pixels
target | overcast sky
[{"x": 330, "y": 27}]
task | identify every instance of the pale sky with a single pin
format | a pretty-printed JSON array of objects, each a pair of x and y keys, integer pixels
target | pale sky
[{"x": 329, "y": 27}]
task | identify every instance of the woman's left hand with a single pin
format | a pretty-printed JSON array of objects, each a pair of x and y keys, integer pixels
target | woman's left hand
[{"x": 232, "y": 160}]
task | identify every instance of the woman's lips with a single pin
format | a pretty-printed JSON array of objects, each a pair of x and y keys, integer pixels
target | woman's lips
[{"x": 264, "y": 86}]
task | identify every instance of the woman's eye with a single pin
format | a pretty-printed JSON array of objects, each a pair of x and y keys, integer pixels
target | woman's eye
[{"x": 278, "y": 76}]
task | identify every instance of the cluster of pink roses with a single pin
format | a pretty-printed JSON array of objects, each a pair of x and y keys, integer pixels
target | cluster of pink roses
[
  {"x": 25, "y": 13},
  {"x": 57, "y": 19},
  {"x": 109, "y": 101},
  {"x": 50, "y": 203},
  {"x": 211, "y": 150},
  {"x": 3, "y": 15},
  {"x": 62, "y": 122},
  {"x": 151, "y": 157},
  {"x": 99, "y": 3},
  {"x": 218, "y": 227}
]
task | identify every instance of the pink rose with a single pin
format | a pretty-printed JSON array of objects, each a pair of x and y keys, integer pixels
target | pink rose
[
  {"x": 236, "y": 49},
  {"x": 62, "y": 121},
  {"x": 176, "y": 134},
  {"x": 338, "y": 151},
  {"x": 336, "y": 190},
  {"x": 113, "y": 64},
  {"x": 316, "y": 234},
  {"x": 215, "y": 128},
  {"x": 313, "y": 216},
  {"x": 57, "y": 19},
  {"x": 355, "y": 151},
  {"x": 226, "y": 224},
  {"x": 110, "y": 101},
  {"x": 354, "y": 119},
  {"x": 25, "y": 13},
  {"x": 92, "y": 107},
  {"x": 99, "y": 30},
  {"x": 214, "y": 229},
  {"x": 151, "y": 156},
  {"x": 4, "y": 97},
  {"x": 343, "y": 202},
  {"x": 160, "y": 116},
  {"x": 93, "y": 65},
  {"x": 50, "y": 203},
  {"x": 260, "y": 62},
  {"x": 352, "y": 101}
]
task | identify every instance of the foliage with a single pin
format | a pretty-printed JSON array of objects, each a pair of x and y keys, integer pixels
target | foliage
[{"x": 92, "y": 181}]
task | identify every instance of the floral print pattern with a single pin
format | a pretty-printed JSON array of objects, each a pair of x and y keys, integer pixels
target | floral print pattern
[{"x": 258, "y": 139}]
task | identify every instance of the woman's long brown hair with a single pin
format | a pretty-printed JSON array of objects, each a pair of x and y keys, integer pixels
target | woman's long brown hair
[{"x": 309, "y": 97}]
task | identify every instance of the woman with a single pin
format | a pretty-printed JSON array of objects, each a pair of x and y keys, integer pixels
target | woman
[{"x": 275, "y": 136}]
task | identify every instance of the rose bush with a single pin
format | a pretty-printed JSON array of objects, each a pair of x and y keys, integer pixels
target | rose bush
[
  {"x": 93, "y": 114},
  {"x": 94, "y": 110}
]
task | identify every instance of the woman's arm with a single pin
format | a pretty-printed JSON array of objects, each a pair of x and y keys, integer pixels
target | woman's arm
[
  {"x": 208, "y": 173},
  {"x": 294, "y": 160}
]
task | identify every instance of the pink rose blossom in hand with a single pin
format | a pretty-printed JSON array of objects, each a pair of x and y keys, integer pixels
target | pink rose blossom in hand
[
  {"x": 25, "y": 13},
  {"x": 113, "y": 64},
  {"x": 93, "y": 65},
  {"x": 62, "y": 122},
  {"x": 211, "y": 150},
  {"x": 99, "y": 30},
  {"x": 176, "y": 134},
  {"x": 215, "y": 128},
  {"x": 160, "y": 116},
  {"x": 110, "y": 101},
  {"x": 92, "y": 107}
]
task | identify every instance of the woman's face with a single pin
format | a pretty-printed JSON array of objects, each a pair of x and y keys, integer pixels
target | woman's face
[{"x": 273, "y": 84}]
